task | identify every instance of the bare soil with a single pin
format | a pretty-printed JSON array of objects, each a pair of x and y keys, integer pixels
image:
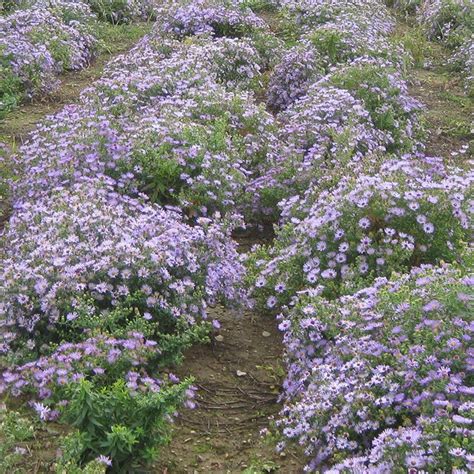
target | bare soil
[{"x": 238, "y": 377}]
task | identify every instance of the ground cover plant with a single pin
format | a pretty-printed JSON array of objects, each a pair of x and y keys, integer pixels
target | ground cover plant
[{"x": 380, "y": 379}]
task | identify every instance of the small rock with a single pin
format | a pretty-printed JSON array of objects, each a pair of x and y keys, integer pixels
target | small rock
[
  {"x": 219, "y": 338},
  {"x": 266, "y": 334},
  {"x": 241, "y": 374}
]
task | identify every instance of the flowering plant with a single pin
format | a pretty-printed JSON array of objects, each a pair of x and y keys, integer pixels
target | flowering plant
[
  {"x": 364, "y": 227},
  {"x": 208, "y": 16},
  {"x": 300, "y": 67},
  {"x": 379, "y": 381},
  {"x": 305, "y": 15},
  {"x": 385, "y": 96},
  {"x": 35, "y": 45},
  {"x": 322, "y": 132},
  {"x": 89, "y": 241}
]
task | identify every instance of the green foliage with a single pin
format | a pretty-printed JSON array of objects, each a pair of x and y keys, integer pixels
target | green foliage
[
  {"x": 128, "y": 427},
  {"x": 11, "y": 91},
  {"x": 330, "y": 43},
  {"x": 261, "y": 5},
  {"x": 452, "y": 23},
  {"x": 415, "y": 43},
  {"x": 15, "y": 429},
  {"x": 113, "y": 11}
]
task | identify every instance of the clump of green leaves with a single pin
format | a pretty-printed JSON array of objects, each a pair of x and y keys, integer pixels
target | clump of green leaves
[{"x": 124, "y": 425}]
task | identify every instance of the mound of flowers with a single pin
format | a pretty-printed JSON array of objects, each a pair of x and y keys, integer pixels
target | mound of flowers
[
  {"x": 37, "y": 44},
  {"x": 208, "y": 16},
  {"x": 385, "y": 95},
  {"x": 366, "y": 226},
  {"x": 86, "y": 249},
  {"x": 300, "y": 67},
  {"x": 323, "y": 132},
  {"x": 380, "y": 381},
  {"x": 305, "y": 15}
]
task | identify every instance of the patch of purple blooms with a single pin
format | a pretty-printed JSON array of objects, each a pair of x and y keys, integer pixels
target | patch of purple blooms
[
  {"x": 208, "y": 17},
  {"x": 309, "y": 14},
  {"x": 300, "y": 67},
  {"x": 365, "y": 226},
  {"x": 322, "y": 132},
  {"x": 187, "y": 97},
  {"x": 89, "y": 240},
  {"x": 379, "y": 380}
]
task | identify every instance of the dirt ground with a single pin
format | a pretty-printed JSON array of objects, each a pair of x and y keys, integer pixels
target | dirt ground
[{"x": 238, "y": 377}]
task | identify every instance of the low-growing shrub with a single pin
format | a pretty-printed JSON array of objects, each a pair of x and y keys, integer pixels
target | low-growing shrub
[
  {"x": 210, "y": 145},
  {"x": 300, "y": 67},
  {"x": 305, "y": 15},
  {"x": 208, "y": 16},
  {"x": 449, "y": 21},
  {"x": 385, "y": 95},
  {"x": 35, "y": 45},
  {"x": 89, "y": 242},
  {"x": 380, "y": 381},
  {"x": 323, "y": 132},
  {"x": 366, "y": 226}
]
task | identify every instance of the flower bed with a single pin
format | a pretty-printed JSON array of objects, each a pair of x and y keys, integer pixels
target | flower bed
[
  {"x": 366, "y": 226},
  {"x": 379, "y": 381}
]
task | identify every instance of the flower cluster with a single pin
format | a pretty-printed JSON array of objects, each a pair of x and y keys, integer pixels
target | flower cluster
[
  {"x": 449, "y": 21},
  {"x": 36, "y": 44},
  {"x": 87, "y": 240},
  {"x": 332, "y": 33},
  {"x": 307, "y": 15},
  {"x": 321, "y": 132},
  {"x": 300, "y": 67},
  {"x": 208, "y": 16},
  {"x": 367, "y": 225},
  {"x": 385, "y": 96},
  {"x": 380, "y": 379}
]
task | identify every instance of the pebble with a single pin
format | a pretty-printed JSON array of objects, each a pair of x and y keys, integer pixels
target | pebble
[
  {"x": 266, "y": 334},
  {"x": 219, "y": 338},
  {"x": 241, "y": 374}
]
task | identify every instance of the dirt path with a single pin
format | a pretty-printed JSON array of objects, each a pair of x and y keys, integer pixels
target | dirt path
[
  {"x": 449, "y": 112},
  {"x": 238, "y": 378}
]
